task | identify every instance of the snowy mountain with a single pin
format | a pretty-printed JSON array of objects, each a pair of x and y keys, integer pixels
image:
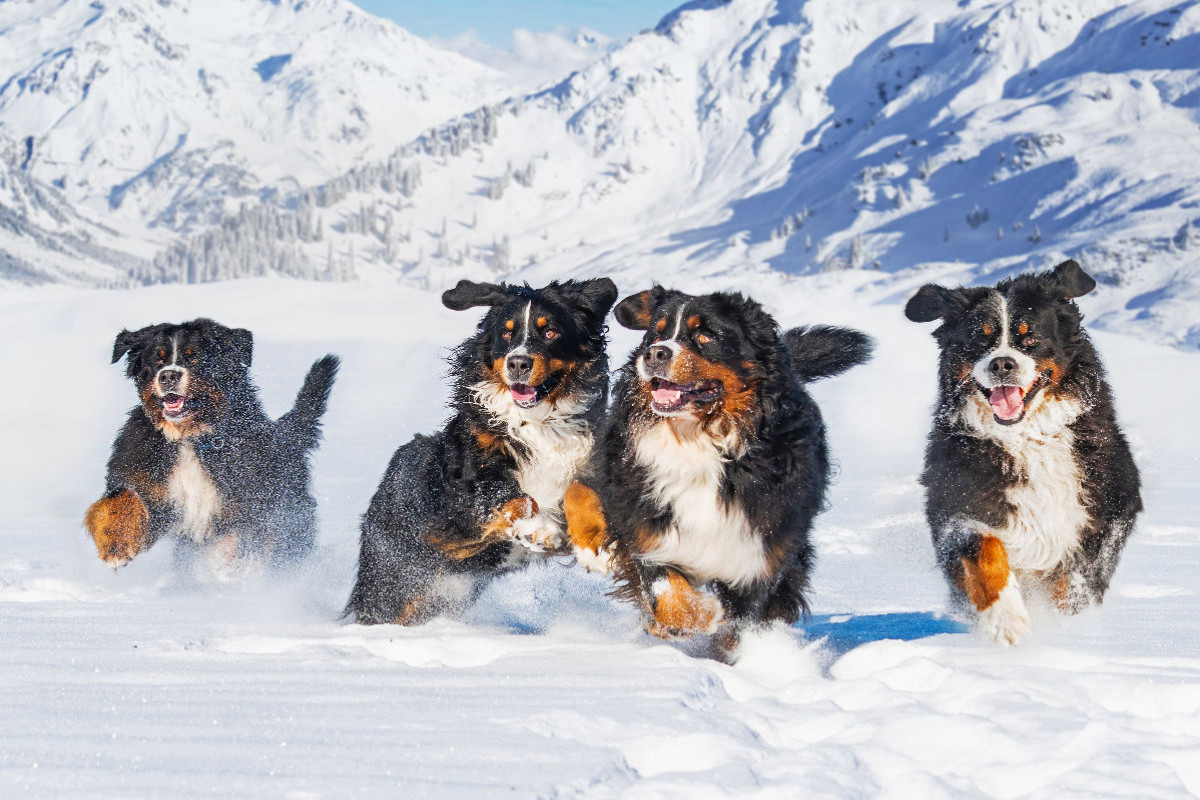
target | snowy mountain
[
  {"x": 151, "y": 115},
  {"x": 884, "y": 144}
]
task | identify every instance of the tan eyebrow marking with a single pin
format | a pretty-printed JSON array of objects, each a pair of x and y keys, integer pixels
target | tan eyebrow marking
[
  {"x": 1023, "y": 328},
  {"x": 693, "y": 321},
  {"x": 509, "y": 324},
  {"x": 661, "y": 325},
  {"x": 541, "y": 322},
  {"x": 987, "y": 329}
]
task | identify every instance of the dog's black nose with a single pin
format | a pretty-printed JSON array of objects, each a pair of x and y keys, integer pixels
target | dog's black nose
[
  {"x": 657, "y": 355},
  {"x": 520, "y": 368},
  {"x": 169, "y": 378},
  {"x": 1002, "y": 367}
]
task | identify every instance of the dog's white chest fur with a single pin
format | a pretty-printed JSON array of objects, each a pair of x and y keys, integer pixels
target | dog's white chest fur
[
  {"x": 557, "y": 439},
  {"x": 555, "y": 457},
  {"x": 193, "y": 495},
  {"x": 1049, "y": 507},
  {"x": 709, "y": 539}
]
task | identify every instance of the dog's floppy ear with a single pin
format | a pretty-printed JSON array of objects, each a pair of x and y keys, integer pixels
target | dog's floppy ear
[
  {"x": 468, "y": 294},
  {"x": 126, "y": 340},
  {"x": 1070, "y": 281},
  {"x": 242, "y": 342},
  {"x": 635, "y": 311},
  {"x": 933, "y": 302},
  {"x": 595, "y": 296}
]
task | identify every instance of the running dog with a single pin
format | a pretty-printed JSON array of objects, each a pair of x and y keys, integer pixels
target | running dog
[
  {"x": 484, "y": 494},
  {"x": 199, "y": 460},
  {"x": 712, "y": 465},
  {"x": 1030, "y": 484}
]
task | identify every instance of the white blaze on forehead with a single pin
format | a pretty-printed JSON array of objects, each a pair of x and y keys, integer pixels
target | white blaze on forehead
[
  {"x": 522, "y": 349},
  {"x": 1026, "y": 372},
  {"x": 671, "y": 344},
  {"x": 678, "y": 323},
  {"x": 174, "y": 366},
  {"x": 528, "y": 311}
]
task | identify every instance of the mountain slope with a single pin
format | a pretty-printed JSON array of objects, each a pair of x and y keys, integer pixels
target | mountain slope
[
  {"x": 155, "y": 113},
  {"x": 815, "y": 137}
]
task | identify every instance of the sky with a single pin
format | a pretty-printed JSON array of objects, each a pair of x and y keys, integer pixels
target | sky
[{"x": 493, "y": 21}]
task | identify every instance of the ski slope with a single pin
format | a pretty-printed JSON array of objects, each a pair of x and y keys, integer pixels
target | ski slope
[{"x": 145, "y": 683}]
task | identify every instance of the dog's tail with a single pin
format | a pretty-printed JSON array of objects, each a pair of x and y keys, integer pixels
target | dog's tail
[
  {"x": 302, "y": 425},
  {"x": 822, "y": 351}
]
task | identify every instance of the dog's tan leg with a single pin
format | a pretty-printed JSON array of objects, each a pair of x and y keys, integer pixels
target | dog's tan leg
[
  {"x": 587, "y": 528},
  {"x": 120, "y": 527},
  {"x": 682, "y": 610},
  {"x": 992, "y": 588}
]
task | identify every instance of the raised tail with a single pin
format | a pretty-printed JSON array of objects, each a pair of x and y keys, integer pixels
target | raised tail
[
  {"x": 822, "y": 351},
  {"x": 302, "y": 425}
]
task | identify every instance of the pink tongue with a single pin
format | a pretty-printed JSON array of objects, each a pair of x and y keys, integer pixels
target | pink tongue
[
  {"x": 665, "y": 397},
  {"x": 1006, "y": 402},
  {"x": 522, "y": 393}
]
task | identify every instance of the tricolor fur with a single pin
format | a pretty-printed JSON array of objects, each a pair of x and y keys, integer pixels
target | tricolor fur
[
  {"x": 713, "y": 462},
  {"x": 1030, "y": 484},
  {"x": 480, "y": 496},
  {"x": 199, "y": 460}
]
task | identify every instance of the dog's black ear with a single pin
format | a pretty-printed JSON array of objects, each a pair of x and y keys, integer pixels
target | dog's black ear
[
  {"x": 242, "y": 342},
  {"x": 126, "y": 341},
  {"x": 636, "y": 311},
  {"x": 595, "y": 296},
  {"x": 468, "y": 294},
  {"x": 1071, "y": 281},
  {"x": 933, "y": 302}
]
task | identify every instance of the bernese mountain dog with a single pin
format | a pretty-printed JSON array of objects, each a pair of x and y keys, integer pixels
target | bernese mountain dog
[
  {"x": 484, "y": 495},
  {"x": 200, "y": 461},
  {"x": 1030, "y": 484},
  {"x": 712, "y": 464}
]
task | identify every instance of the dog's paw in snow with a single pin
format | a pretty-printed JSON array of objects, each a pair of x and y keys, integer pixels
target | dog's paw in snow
[
  {"x": 537, "y": 533},
  {"x": 1007, "y": 619},
  {"x": 599, "y": 560}
]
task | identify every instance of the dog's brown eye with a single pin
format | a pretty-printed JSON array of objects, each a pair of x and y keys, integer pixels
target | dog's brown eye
[
  {"x": 551, "y": 334},
  {"x": 702, "y": 339},
  {"x": 1029, "y": 341},
  {"x": 507, "y": 335}
]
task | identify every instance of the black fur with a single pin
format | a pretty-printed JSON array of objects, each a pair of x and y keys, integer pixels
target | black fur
[
  {"x": 424, "y": 546},
  {"x": 259, "y": 467},
  {"x": 822, "y": 351},
  {"x": 778, "y": 476},
  {"x": 969, "y": 474}
]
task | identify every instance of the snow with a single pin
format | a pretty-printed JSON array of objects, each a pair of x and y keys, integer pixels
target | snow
[{"x": 146, "y": 680}]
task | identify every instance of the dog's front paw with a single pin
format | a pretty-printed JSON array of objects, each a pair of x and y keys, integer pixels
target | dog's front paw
[
  {"x": 682, "y": 610},
  {"x": 599, "y": 560},
  {"x": 536, "y": 533},
  {"x": 1007, "y": 619},
  {"x": 120, "y": 527}
]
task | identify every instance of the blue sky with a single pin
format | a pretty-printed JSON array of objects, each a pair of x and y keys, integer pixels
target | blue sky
[{"x": 494, "y": 20}]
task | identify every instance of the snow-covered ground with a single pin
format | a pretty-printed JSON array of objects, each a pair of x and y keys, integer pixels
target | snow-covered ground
[{"x": 144, "y": 684}]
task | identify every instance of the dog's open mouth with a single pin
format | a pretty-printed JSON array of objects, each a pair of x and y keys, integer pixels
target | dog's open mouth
[
  {"x": 526, "y": 396},
  {"x": 173, "y": 405},
  {"x": 1009, "y": 403},
  {"x": 667, "y": 396}
]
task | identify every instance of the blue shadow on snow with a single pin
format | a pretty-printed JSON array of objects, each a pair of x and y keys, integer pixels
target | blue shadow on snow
[{"x": 845, "y": 632}]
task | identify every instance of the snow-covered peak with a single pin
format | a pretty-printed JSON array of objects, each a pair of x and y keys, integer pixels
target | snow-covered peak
[{"x": 154, "y": 110}]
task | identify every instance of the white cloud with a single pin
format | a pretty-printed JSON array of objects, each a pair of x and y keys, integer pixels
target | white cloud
[{"x": 535, "y": 58}]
